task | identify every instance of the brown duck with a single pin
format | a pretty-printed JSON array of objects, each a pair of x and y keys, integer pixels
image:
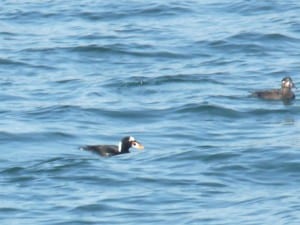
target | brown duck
[{"x": 284, "y": 93}]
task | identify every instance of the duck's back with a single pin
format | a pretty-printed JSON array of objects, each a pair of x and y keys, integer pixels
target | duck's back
[
  {"x": 103, "y": 150},
  {"x": 268, "y": 94}
]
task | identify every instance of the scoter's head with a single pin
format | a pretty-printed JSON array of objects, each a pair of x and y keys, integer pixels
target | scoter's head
[
  {"x": 129, "y": 142},
  {"x": 287, "y": 82}
]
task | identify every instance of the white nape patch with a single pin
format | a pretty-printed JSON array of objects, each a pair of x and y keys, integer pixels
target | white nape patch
[
  {"x": 131, "y": 138},
  {"x": 120, "y": 146}
]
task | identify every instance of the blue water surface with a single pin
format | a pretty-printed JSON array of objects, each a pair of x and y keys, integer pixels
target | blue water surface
[{"x": 176, "y": 76}]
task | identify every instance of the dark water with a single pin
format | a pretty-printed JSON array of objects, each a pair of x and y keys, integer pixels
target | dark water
[{"x": 176, "y": 76}]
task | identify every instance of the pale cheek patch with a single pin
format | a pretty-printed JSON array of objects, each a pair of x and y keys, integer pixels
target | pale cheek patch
[
  {"x": 288, "y": 84},
  {"x": 137, "y": 145},
  {"x": 120, "y": 146}
]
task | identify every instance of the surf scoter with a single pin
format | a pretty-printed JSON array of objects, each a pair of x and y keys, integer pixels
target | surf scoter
[
  {"x": 284, "y": 93},
  {"x": 110, "y": 150}
]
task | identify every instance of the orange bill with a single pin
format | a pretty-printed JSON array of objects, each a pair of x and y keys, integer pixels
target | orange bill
[{"x": 137, "y": 145}]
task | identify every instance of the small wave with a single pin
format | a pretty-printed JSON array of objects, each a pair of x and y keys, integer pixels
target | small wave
[
  {"x": 129, "y": 49},
  {"x": 12, "y": 170},
  {"x": 132, "y": 50},
  {"x": 58, "y": 164},
  {"x": 68, "y": 81},
  {"x": 253, "y": 7},
  {"x": 166, "y": 9},
  {"x": 53, "y": 111},
  {"x": 137, "y": 10},
  {"x": 11, "y": 210},
  {"x": 210, "y": 109},
  {"x": 236, "y": 47},
  {"x": 35, "y": 136},
  {"x": 222, "y": 156},
  {"x": 12, "y": 62},
  {"x": 92, "y": 208},
  {"x": 9, "y": 98},
  {"x": 9, "y": 62},
  {"x": 6, "y": 33},
  {"x": 250, "y": 42},
  {"x": 161, "y": 80},
  {"x": 263, "y": 37},
  {"x": 33, "y": 16},
  {"x": 268, "y": 111}
]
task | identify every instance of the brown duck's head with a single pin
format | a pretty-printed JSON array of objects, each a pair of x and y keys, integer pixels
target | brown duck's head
[{"x": 287, "y": 82}]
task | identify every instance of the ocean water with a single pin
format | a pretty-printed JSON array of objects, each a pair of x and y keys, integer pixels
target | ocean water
[{"x": 176, "y": 76}]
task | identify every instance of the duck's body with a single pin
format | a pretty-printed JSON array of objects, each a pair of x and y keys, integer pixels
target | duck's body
[
  {"x": 276, "y": 94},
  {"x": 104, "y": 150},
  {"x": 111, "y": 150},
  {"x": 284, "y": 93}
]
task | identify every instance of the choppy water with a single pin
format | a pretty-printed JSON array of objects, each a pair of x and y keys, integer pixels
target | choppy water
[{"x": 176, "y": 76}]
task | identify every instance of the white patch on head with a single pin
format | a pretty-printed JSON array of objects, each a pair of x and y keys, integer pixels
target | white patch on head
[
  {"x": 131, "y": 138},
  {"x": 287, "y": 83},
  {"x": 120, "y": 146}
]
